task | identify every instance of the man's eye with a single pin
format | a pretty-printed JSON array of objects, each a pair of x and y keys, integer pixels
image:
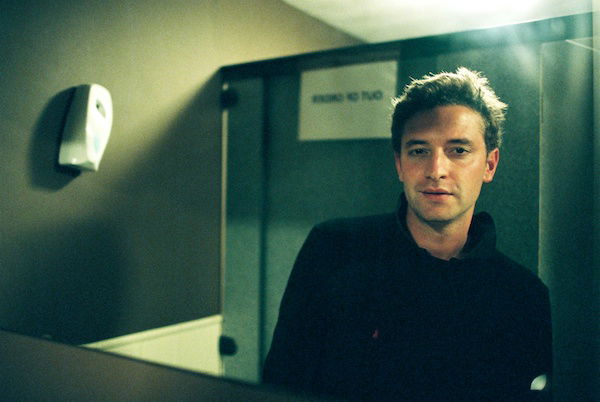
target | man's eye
[
  {"x": 417, "y": 151},
  {"x": 460, "y": 150}
]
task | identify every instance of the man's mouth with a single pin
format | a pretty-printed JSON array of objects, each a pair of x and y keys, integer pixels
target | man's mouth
[{"x": 436, "y": 192}]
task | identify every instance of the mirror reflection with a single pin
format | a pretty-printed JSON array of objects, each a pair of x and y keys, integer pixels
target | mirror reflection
[
  {"x": 137, "y": 259},
  {"x": 378, "y": 306}
]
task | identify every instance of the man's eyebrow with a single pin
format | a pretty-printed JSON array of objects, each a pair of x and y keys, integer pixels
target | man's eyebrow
[
  {"x": 415, "y": 142},
  {"x": 462, "y": 141}
]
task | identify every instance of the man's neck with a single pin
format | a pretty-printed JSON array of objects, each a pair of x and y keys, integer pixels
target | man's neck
[{"x": 443, "y": 240}]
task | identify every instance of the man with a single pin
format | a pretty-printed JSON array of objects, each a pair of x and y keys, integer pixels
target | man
[{"x": 419, "y": 305}]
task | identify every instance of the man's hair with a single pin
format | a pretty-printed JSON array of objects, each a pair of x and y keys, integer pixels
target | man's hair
[{"x": 464, "y": 87}]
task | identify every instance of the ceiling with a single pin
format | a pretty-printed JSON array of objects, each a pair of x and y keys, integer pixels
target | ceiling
[{"x": 387, "y": 20}]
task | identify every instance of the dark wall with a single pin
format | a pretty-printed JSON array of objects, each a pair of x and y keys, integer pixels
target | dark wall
[{"x": 135, "y": 245}]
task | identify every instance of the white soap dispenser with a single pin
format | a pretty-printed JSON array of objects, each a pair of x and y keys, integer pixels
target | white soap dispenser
[{"x": 87, "y": 128}]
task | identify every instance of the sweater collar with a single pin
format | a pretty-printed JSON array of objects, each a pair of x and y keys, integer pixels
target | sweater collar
[{"x": 481, "y": 241}]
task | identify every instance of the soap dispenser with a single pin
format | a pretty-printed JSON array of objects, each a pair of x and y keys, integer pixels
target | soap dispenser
[{"x": 87, "y": 128}]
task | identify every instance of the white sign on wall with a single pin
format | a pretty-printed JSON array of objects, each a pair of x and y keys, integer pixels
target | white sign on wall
[{"x": 349, "y": 102}]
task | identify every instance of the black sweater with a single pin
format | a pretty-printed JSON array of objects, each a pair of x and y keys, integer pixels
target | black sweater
[{"x": 369, "y": 315}]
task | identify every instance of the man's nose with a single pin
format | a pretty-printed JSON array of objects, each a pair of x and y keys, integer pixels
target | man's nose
[{"x": 438, "y": 166}]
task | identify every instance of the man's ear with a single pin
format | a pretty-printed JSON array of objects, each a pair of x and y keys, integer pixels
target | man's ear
[
  {"x": 491, "y": 163},
  {"x": 398, "y": 165}
]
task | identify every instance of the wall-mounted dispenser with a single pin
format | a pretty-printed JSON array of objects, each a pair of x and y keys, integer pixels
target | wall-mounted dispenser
[{"x": 87, "y": 128}]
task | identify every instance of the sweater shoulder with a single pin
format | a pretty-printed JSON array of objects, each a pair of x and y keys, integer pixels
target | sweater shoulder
[
  {"x": 363, "y": 225},
  {"x": 516, "y": 275},
  {"x": 352, "y": 240}
]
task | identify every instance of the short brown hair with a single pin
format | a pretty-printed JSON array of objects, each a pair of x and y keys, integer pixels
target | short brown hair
[{"x": 464, "y": 87}]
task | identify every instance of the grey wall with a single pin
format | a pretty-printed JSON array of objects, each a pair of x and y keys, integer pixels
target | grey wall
[
  {"x": 136, "y": 244},
  {"x": 567, "y": 218}
]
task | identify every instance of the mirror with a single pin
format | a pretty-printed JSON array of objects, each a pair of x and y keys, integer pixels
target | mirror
[
  {"x": 276, "y": 199},
  {"x": 136, "y": 246}
]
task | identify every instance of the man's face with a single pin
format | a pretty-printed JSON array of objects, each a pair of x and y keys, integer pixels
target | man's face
[{"x": 443, "y": 163}]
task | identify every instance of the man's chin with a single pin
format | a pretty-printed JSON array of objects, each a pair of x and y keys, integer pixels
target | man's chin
[
  {"x": 437, "y": 220},
  {"x": 437, "y": 217}
]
